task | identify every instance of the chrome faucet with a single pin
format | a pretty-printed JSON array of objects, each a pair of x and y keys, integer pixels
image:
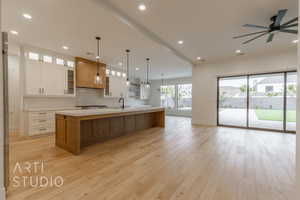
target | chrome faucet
[{"x": 123, "y": 102}]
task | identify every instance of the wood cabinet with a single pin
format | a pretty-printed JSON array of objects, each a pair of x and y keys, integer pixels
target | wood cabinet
[
  {"x": 86, "y": 71},
  {"x": 48, "y": 79},
  {"x": 75, "y": 132}
]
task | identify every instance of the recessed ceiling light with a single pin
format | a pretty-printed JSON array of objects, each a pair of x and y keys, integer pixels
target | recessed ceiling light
[
  {"x": 14, "y": 32},
  {"x": 27, "y": 16},
  {"x": 137, "y": 69},
  {"x": 120, "y": 63},
  {"x": 199, "y": 58},
  {"x": 65, "y": 48},
  {"x": 238, "y": 51},
  {"x": 142, "y": 7},
  {"x": 295, "y": 41},
  {"x": 180, "y": 42}
]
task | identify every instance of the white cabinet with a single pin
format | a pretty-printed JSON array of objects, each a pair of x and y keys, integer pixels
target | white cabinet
[
  {"x": 54, "y": 79},
  {"x": 40, "y": 122},
  {"x": 47, "y": 79},
  {"x": 33, "y": 78},
  {"x": 115, "y": 87}
]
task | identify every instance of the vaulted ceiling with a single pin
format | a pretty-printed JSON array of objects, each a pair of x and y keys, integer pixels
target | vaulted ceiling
[{"x": 206, "y": 27}]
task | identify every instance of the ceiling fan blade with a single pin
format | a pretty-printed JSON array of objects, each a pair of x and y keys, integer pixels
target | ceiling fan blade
[
  {"x": 256, "y": 26},
  {"x": 288, "y": 26},
  {"x": 270, "y": 38},
  {"x": 248, "y": 41},
  {"x": 291, "y": 21},
  {"x": 280, "y": 15},
  {"x": 289, "y": 31},
  {"x": 249, "y": 34}
]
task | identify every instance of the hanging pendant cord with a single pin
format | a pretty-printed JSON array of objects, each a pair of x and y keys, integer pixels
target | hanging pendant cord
[
  {"x": 127, "y": 54},
  {"x": 148, "y": 59}
]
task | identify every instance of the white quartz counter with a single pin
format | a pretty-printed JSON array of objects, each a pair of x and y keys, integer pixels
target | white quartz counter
[{"x": 89, "y": 112}]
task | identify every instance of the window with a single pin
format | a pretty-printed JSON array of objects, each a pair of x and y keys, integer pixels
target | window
[
  {"x": 70, "y": 63},
  {"x": 184, "y": 100},
  {"x": 269, "y": 88},
  {"x": 167, "y": 96},
  {"x": 60, "y": 61},
  {"x": 33, "y": 56},
  {"x": 107, "y": 71},
  {"x": 47, "y": 59}
]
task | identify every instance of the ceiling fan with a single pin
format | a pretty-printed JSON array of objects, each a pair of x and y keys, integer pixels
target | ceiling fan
[{"x": 275, "y": 26}]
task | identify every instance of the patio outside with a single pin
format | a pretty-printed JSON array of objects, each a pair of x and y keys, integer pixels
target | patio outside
[{"x": 266, "y": 100}]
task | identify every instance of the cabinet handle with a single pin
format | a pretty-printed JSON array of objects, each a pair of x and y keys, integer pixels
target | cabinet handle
[
  {"x": 42, "y": 113},
  {"x": 43, "y": 129},
  {"x": 42, "y": 120}
]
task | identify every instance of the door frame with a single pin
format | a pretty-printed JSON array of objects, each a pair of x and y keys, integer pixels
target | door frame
[{"x": 248, "y": 97}]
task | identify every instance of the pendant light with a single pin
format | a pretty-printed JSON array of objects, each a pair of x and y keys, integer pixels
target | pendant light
[
  {"x": 98, "y": 79},
  {"x": 148, "y": 63},
  {"x": 127, "y": 56}
]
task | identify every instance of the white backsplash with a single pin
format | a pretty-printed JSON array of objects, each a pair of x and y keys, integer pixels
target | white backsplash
[{"x": 84, "y": 97}]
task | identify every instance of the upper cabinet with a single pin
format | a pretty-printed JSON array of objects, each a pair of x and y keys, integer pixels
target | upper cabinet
[
  {"x": 86, "y": 72},
  {"x": 45, "y": 77}
]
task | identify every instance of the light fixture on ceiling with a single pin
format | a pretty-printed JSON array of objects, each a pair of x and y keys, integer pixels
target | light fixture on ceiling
[
  {"x": 199, "y": 58},
  {"x": 142, "y": 7},
  {"x": 137, "y": 69},
  {"x": 180, "y": 42},
  {"x": 295, "y": 41},
  {"x": 14, "y": 32},
  {"x": 65, "y": 47},
  {"x": 239, "y": 53},
  {"x": 27, "y": 16},
  {"x": 148, "y": 66},
  {"x": 120, "y": 63},
  {"x": 127, "y": 56},
  {"x": 98, "y": 79}
]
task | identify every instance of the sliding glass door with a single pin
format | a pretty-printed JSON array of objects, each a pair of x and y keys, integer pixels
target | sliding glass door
[
  {"x": 233, "y": 101},
  {"x": 260, "y": 101},
  {"x": 167, "y": 97},
  {"x": 266, "y": 101},
  {"x": 291, "y": 91}
]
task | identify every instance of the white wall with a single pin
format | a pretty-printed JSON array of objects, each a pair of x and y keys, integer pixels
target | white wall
[
  {"x": 298, "y": 125},
  {"x": 205, "y": 78},
  {"x": 14, "y": 92},
  {"x": 2, "y": 191},
  {"x": 155, "y": 93}
]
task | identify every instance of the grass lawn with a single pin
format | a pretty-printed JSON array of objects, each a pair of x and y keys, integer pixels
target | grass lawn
[{"x": 275, "y": 115}]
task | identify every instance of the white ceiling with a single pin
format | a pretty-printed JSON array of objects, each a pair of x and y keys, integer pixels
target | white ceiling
[{"x": 206, "y": 27}]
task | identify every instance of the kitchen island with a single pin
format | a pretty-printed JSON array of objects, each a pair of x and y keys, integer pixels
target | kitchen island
[{"x": 77, "y": 129}]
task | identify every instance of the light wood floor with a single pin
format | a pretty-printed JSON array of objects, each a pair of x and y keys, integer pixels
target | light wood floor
[{"x": 178, "y": 162}]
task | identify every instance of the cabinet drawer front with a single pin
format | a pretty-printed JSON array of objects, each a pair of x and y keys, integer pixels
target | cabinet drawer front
[
  {"x": 41, "y": 122},
  {"x": 41, "y": 115}
]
